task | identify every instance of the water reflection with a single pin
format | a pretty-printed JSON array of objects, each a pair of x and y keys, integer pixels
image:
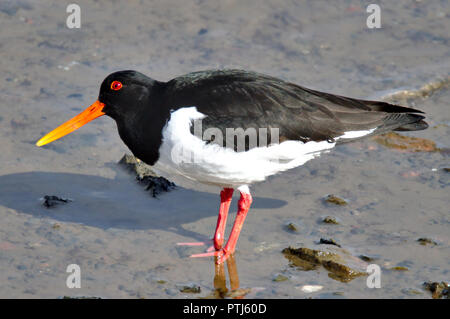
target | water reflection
[{"x": 221, "y": 291}]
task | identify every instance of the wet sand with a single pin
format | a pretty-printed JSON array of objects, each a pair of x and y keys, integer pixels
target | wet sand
[{"x": 125, "y": 241}]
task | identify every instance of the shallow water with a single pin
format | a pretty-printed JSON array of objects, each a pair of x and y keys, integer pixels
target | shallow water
[{"x": 125, "y": 241}]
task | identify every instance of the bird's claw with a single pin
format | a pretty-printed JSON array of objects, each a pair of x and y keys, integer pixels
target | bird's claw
[
  {"x": 221, "y": 255},
  {"x": 201, "y": 243}
]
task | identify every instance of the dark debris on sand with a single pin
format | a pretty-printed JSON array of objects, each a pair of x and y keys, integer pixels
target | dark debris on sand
[
  {"x": 328, "y": 241},
  {"x": 438, "y": 289},
  {"x": 426, "y": 241},
  {"x": 330, "y": 220},
  {"x": 51, "y": 201},
  {"x": 191, "y": 288},
  {"x": 145, "y": 175}
]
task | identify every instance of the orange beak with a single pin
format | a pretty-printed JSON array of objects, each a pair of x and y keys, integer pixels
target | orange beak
[{"x": 91, "y": 113}]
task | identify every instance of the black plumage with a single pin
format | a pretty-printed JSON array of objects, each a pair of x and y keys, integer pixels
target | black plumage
[{"x": 243, "y": 99}]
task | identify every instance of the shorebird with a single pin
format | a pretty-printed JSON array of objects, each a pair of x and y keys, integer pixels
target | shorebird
[{"x": 157, "y": 121}]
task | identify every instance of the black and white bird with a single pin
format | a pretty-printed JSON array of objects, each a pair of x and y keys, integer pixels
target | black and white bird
[{"x": 232, "y": 128}]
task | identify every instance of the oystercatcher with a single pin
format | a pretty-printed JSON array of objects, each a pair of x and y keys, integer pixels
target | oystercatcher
[{"x": 232, "y": 128}]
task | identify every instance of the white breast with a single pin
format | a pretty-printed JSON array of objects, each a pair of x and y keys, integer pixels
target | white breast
[{"x": 185, "y": 154}]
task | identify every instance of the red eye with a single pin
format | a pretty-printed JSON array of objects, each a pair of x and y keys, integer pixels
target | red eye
[{"x": 116, "y": 85}]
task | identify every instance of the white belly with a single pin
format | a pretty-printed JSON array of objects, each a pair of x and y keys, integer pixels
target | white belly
[{"x": 185, "y": 154}]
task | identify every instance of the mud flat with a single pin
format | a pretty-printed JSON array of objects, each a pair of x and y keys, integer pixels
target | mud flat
[{"x": 124, "y": 239}]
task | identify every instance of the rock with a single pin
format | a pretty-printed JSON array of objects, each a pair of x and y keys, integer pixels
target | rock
[
  {"x": 291, "y": 226},
  {"x": 137, "y": 166},
  {"x": 423, "y": 92},
  {"x": 280, "y": 277},
  {"x": 338, "y": 262},
  {"x": 400, "y": 268},
  {"x": 311, "y": 288},
  {"x": 333, "y": 199},
  {"x": 438, "y": 289},
  {"x": 406, "y": 143},
  {"x": 145, "y": 175},
  {"x": 51, "y": 201},
  {"x": 189, "y": 288},
  {"x": 330, "y": 220}
]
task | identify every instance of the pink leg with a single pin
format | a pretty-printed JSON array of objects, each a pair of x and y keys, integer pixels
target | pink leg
[
  {"x": 225, "y": 200},
  {"x": 243, "y": 207}
]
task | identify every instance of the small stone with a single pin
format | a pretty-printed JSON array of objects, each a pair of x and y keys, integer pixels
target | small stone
[
  {"x": 145, "y": 175},
  {"x": 330, "y": 220},
  {"x": 311, "y": 288},
  {"x": 338, "y": 262},
  {"x": 291, "y": 226},
  {"x": 136, "y": 166},
  {"x": 400, "y": 268},
  {"x": 190, "y": 288},
  {"x": 333, "y": 199},
  {"x": 280, "y": 277}
]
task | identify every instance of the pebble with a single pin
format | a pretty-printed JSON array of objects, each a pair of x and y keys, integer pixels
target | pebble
[{"x": 311, "y": 288}]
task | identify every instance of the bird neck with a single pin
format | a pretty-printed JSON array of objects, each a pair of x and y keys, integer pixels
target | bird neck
[{"x": 142, "y": 132}]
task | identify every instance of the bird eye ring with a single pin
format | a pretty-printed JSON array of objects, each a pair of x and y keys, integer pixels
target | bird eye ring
[{"x": 116, "y": 85}]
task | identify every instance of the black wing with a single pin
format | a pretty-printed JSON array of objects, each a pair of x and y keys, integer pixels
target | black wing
[{"x": 242, "y": 99}]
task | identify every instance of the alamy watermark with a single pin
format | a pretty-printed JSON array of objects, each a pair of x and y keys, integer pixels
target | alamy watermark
[
  {"x": 374, "y": 278},
  {"x": 74, "y": 279},
  {"x": 374, "y": 19},
  {"x": 73, "y": 21},
  {"x": 237, "y": 139}
]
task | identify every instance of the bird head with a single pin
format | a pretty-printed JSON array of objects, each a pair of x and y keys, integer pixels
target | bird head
[{"x": 121, "y": 94}]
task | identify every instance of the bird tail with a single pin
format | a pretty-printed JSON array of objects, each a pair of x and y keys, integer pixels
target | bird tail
[
  {"x": 399, "y": 118},
  {"x": 418, "y": 125},
  {"x": 402, "y": 122}
]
